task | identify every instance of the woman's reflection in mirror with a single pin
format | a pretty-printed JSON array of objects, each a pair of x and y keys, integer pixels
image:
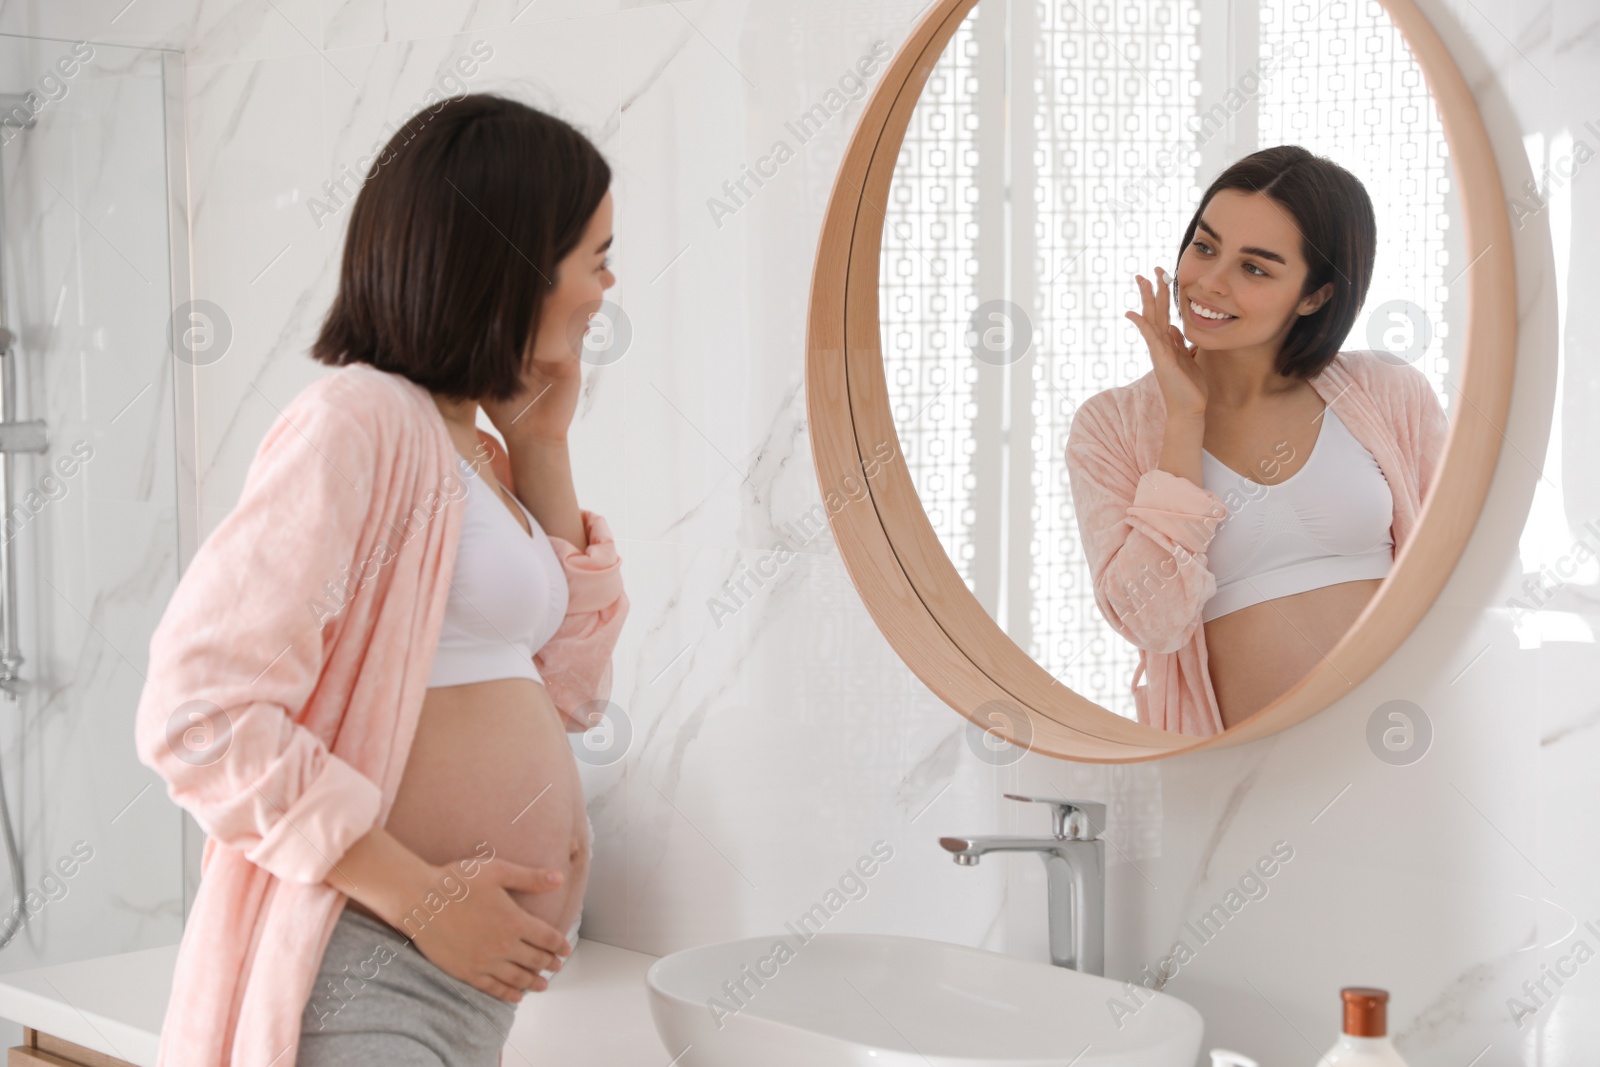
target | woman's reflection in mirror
[{"x": 1241, "y": 503}]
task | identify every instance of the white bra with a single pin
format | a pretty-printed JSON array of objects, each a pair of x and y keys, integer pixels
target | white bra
[
  {"x": 1327, "y": 523},
  {"x": 508, "y": 593}
]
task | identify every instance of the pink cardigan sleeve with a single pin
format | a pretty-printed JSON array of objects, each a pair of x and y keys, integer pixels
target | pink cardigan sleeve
[
  {"x": 237, "y": 654},
  {"x": 1145, "y": 535},
  {"x": 576, "y": 662},
  {"x": 1430, "y": 426}
]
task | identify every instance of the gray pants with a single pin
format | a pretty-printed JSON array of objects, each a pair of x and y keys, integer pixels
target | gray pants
[{"x": 377, "y": 1000}]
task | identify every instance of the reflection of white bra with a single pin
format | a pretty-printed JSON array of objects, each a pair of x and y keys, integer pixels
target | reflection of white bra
[{"x": 1329, "y": 522}]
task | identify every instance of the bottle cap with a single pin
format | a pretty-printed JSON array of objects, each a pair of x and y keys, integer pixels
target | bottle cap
[{"x": 1365, "y": 1011}]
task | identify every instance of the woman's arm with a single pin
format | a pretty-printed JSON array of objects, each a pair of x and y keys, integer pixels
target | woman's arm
[
  {"x": 1145, "y": 534},
  {"x": 384, "y": 875},
  {"x": 1180, "y": 448},
  {"x": 541, "y": 472},
  {"x": 240, "y": 649}
]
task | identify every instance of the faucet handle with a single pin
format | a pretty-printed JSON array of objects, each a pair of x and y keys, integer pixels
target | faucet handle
[{"x": 1077, "y": 820}]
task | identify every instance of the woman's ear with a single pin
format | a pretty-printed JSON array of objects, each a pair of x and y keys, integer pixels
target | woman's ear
[{"x": 1317, "y": 299}]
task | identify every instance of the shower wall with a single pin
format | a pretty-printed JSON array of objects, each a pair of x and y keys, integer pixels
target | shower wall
[{"x": 89, "y": 292}]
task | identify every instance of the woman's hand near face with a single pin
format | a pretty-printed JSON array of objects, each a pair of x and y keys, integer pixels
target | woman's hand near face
[
  {"x": 542, "y": 410},
  {"x": 534, "y": 425},
  {"x": 1183, "y": 383}
]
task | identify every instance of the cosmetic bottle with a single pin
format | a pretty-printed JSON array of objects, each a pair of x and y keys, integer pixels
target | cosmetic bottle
[{"x": 1365, "y": 1041}]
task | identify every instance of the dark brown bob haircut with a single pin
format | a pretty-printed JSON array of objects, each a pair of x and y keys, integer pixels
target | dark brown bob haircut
[
  {"x": 454, "y": 241},
  {"x": 1338, "y": 241}
]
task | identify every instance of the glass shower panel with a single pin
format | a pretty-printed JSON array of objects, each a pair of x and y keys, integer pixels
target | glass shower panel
[{"x": 93, "y": 519}]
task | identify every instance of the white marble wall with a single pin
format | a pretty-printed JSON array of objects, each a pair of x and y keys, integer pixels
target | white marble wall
[{"x": 769, "y": 751}]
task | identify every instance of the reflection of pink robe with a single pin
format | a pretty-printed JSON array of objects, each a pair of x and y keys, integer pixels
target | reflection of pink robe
[
  {"x": 1139, "y": 524},
  {"x": 310, "y": 617}
]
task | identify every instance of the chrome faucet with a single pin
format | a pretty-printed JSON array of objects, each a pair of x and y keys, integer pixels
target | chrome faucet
[{"x": 1075, "y": 874}]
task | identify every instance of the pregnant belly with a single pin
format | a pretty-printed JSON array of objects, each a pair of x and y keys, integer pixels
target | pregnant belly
[
  {"x": 491, "y": 764},
  {"x": 1258, "y": 653}
]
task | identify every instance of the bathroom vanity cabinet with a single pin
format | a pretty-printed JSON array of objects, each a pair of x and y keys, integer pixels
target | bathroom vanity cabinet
[
  {"x": 45, "y": 1050},
  {"x": 107, "y": 1012}
]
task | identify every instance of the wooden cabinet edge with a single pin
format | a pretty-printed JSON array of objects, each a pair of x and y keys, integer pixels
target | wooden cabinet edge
[{"x": 39, "y": 1049}]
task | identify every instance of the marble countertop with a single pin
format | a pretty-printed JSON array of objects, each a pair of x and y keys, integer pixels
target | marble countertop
[{"x": 596, "y": 1011}]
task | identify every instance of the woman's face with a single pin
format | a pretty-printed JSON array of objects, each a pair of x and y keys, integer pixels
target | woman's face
[
  {"x": 581, "y": 281},
  {"x": 1244, "y": 260}
]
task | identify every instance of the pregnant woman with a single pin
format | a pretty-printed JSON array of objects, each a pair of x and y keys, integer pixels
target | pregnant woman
[
  {"x": 1241, "y": 502},
  {"x": 363, "y": 685}
]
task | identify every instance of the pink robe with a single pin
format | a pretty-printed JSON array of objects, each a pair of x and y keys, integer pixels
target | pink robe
[
  {"x": 310, "y": 617},
  {"x": 1140, "y": 524}
]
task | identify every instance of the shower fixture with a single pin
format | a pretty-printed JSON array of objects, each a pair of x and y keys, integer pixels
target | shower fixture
[
  {"x": 15, "y": 436},
  {"x": 16, "y": 113}
]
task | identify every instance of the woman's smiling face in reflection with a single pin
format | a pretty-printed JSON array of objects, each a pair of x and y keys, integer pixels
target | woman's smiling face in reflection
[{"x": 1244, "y": 260}]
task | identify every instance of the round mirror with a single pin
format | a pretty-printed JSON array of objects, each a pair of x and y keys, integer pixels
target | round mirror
[{"x": 1016, "y": 169}]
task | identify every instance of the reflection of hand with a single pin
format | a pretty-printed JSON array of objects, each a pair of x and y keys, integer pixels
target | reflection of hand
[{"x": 1183, "y": 383}]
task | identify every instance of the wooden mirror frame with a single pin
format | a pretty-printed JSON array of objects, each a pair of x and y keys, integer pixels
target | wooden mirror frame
[{"x": 890, "y": 549}]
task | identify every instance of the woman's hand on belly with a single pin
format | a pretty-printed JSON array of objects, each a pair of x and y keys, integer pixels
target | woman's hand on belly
[
  {"x": 490, "y": 765},
  {"x": 488, "y": 940}
]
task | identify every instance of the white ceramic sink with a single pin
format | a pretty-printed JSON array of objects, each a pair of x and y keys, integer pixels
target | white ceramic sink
[{"x": 887, "y": 1001}]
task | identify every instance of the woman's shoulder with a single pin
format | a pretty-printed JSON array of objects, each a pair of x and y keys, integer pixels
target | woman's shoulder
[
  {"x": 360, "y": 394},
  {"x": 1376, "y": 372},
  {"x": 349, "y": 416}
]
